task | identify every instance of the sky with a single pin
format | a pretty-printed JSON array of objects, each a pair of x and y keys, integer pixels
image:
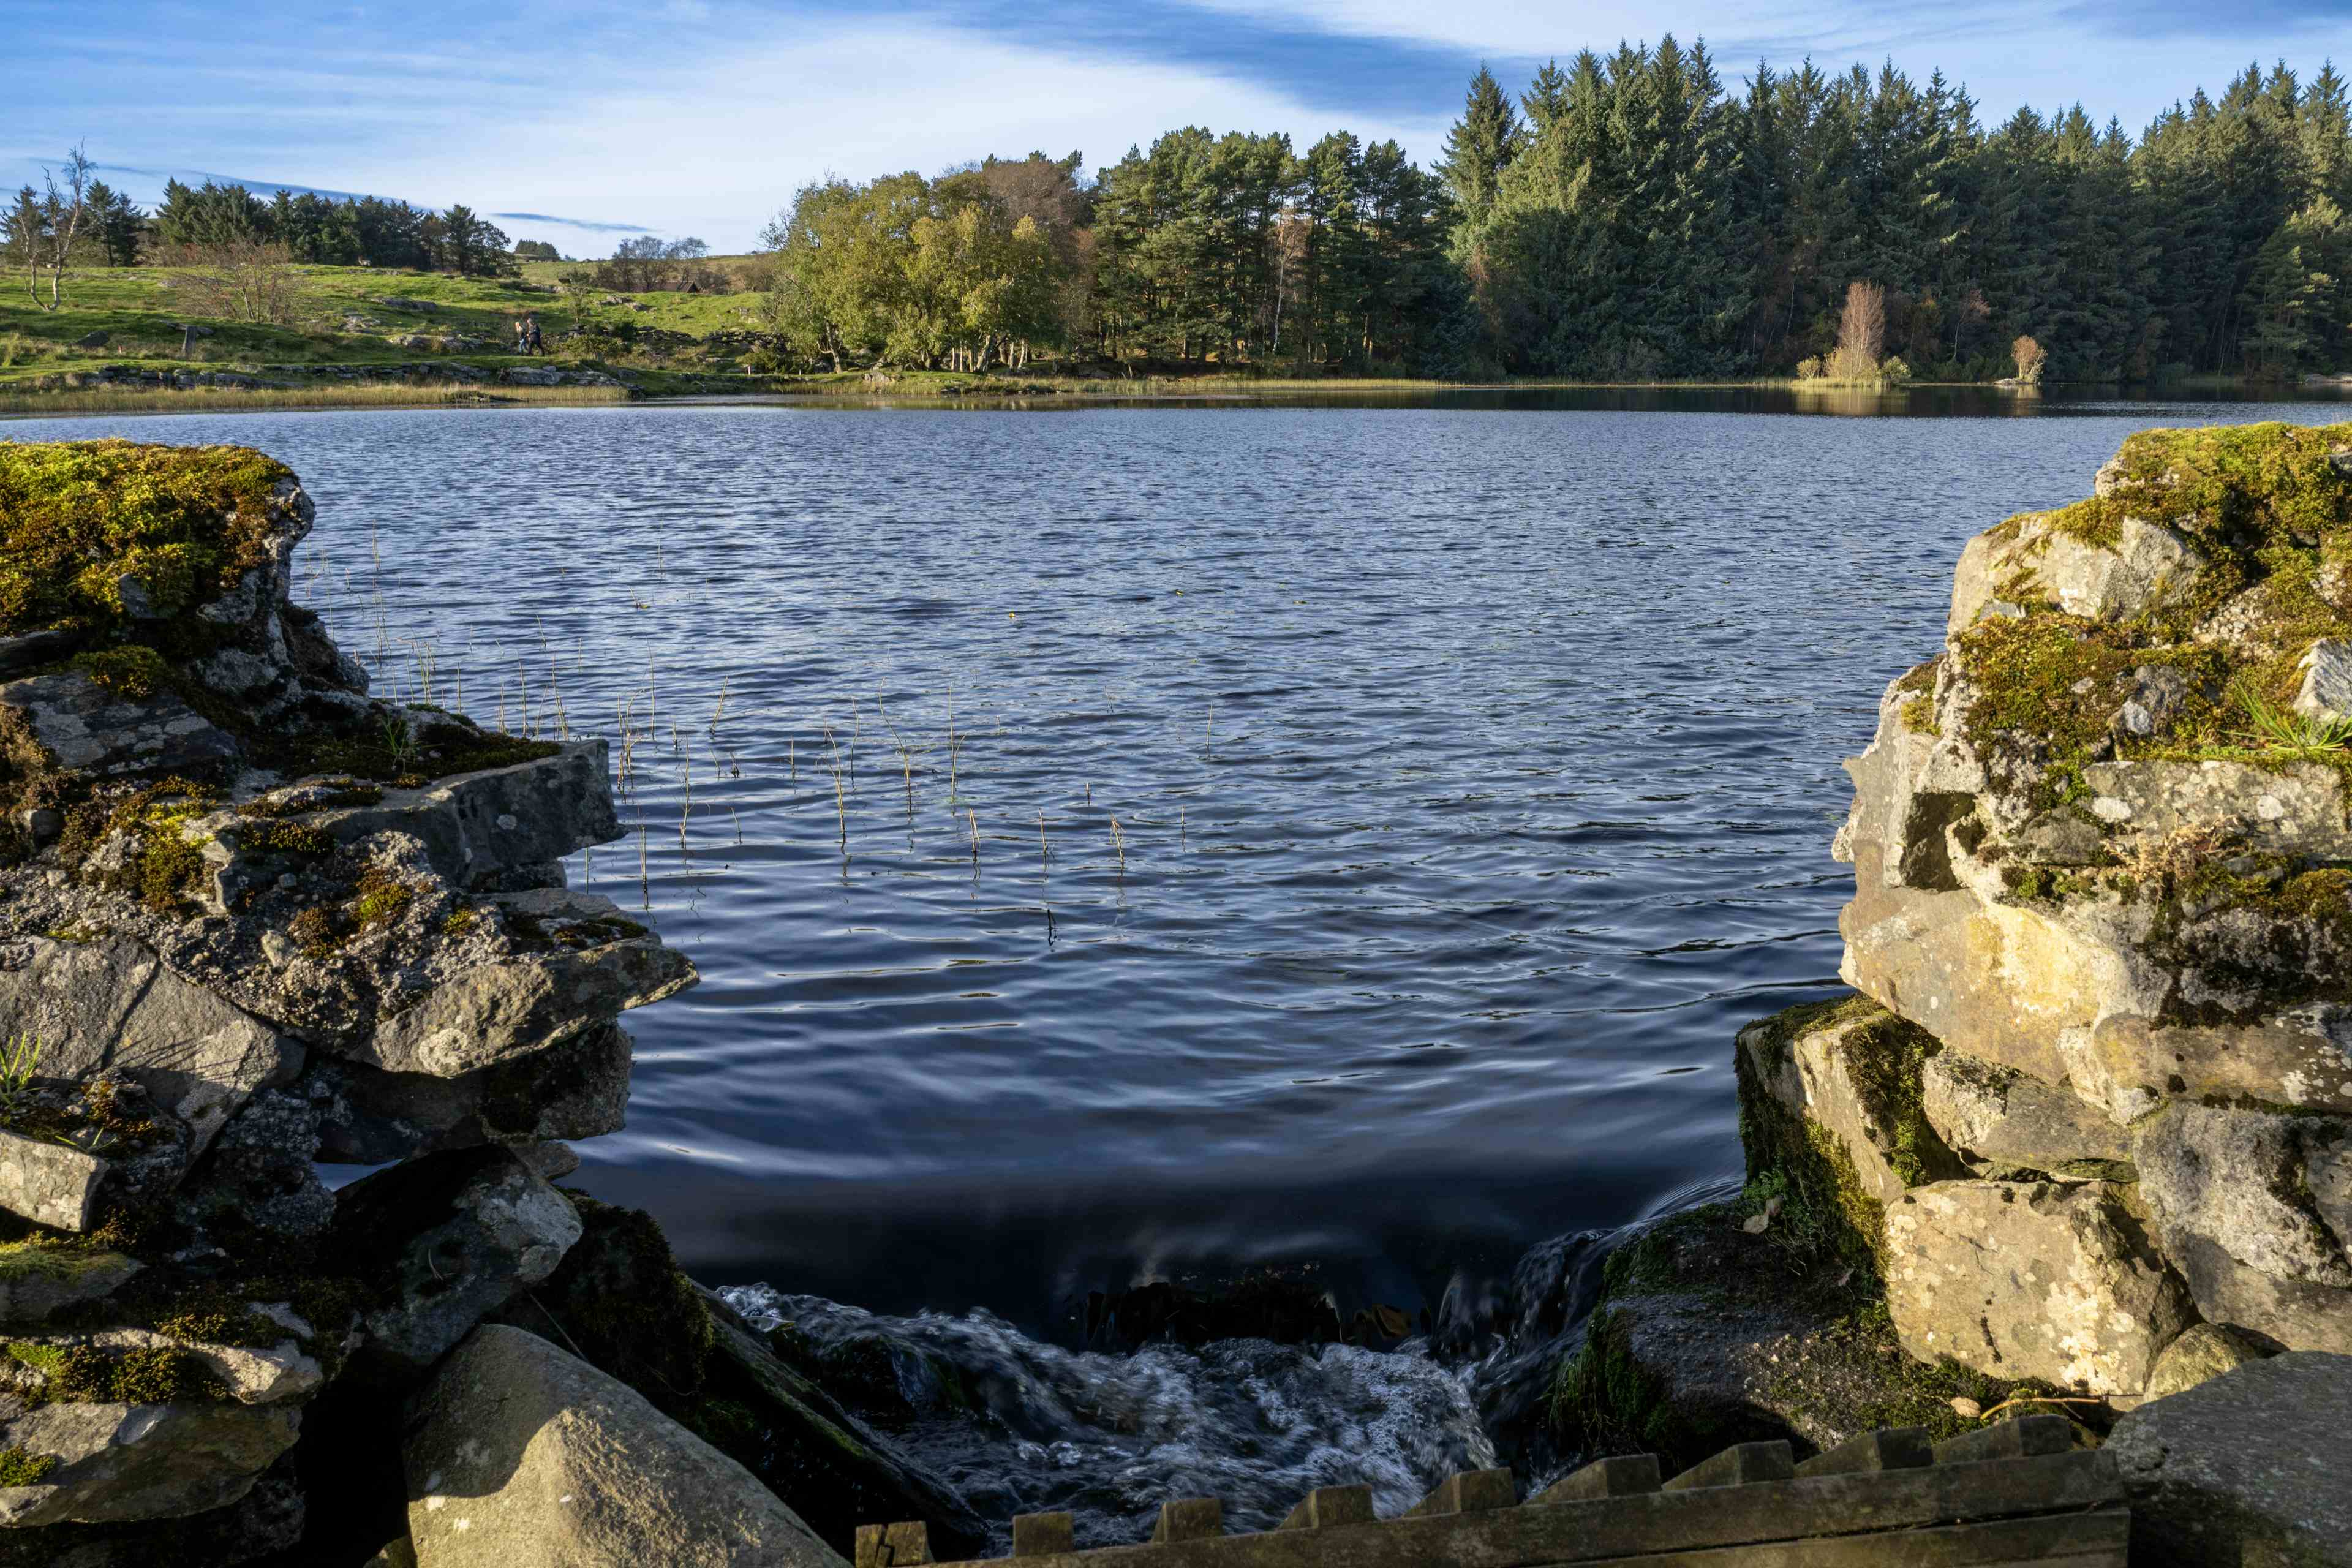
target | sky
[{"x": 584, "y": 122}]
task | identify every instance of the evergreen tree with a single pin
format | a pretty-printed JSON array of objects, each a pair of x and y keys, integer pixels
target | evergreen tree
[{"x": 1482, "y": 144}]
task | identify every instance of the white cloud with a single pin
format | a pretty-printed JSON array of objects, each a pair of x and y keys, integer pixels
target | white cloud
[{"x": 716, "y": 148}]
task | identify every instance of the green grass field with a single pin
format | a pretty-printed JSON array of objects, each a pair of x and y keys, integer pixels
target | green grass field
[{"x": 344, "y": 320}]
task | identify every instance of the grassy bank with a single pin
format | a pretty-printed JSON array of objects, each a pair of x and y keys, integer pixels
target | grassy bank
[{"x": 362, "y": 338}]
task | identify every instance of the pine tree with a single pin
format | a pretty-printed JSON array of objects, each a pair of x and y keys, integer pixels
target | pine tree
[{"x": 1482, "y": 144}]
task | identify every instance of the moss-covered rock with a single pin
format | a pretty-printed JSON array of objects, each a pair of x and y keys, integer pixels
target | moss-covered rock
[{"x": 98, "y": 534}]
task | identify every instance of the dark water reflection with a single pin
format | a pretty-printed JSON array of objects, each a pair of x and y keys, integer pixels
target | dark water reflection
[{"x": 1474, "y": 766}]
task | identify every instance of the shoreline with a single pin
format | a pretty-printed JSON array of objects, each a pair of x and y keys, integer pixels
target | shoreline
[{"x": 939, "y": 390}]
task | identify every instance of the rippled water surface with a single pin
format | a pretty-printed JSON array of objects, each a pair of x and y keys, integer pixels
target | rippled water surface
[{"x": 1425, "y": 794}]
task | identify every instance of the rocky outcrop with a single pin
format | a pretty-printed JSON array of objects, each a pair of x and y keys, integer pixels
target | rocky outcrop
[
  {"x": 250, "y": 917},
  {"x": 2099, "y": 846},
  {"x": 521, "y": 1455}
]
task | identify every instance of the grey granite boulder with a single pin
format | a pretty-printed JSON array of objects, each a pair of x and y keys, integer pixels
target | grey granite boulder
[
  {"x": 521, "y": 1455},
  {"x": 48, "y": 1184},
  {"x": 2255, "y": 1207},
  {"x": 2245, "y": 1469},
  {"x": 448, "y": 1240},
  {"x": 140, "y": 1462}
]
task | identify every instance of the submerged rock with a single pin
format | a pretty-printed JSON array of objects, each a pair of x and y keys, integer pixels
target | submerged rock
[{"x": 521, "y": 1455}]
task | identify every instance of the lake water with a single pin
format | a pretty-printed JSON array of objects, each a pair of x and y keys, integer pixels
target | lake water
[{"x": 1427, "y": 792}]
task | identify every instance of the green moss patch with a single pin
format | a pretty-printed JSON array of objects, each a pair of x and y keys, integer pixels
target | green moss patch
[
  {"x": 86, "y": 1374},
  {"x": 132, "y": 671},
  {"x": 20, "y": 1467},
  {"x": 2236, "y": 484},
  {"x": 80, "y": 519},
  {"x": 1823, "y": 1211},
  {"x": 281, "y": 836},
  {"x": 2263, "y": 506}
]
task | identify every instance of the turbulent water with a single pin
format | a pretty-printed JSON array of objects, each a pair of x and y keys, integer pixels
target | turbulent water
[
  {"x": 1020, "y": 1427},
  {"x": 1145, "y": 841}
]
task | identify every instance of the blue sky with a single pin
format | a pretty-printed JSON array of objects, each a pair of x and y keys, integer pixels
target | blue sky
[{"x": 593, "y": 120}]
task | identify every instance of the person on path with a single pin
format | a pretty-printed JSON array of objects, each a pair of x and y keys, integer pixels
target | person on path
[
  {"x": 536, "y": 345},
  {"x": 522, "y": 337}
]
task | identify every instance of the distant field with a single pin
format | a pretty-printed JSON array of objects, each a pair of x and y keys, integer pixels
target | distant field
[{"x": 345, "y": 320}]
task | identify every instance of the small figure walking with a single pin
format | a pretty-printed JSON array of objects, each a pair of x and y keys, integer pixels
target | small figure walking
[
  {"x": 521, "y": 336},
  {"x": 533, "y": 326}
]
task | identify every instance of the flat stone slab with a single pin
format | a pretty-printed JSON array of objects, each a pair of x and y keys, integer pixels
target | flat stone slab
[
  {"x": 2247, "y": 1467},
  {"x": 89, "y": 730}
]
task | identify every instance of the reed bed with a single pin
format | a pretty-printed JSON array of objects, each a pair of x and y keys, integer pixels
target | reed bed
[{"x": 671, "y": 766}]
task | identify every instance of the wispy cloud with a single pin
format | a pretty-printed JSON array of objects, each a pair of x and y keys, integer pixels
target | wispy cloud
[{"x": 573, "y": 223}]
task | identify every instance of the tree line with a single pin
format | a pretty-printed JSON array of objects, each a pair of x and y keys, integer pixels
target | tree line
[
  {"x": 1229, "y": 248},
  {"x": 82, "y": 221},
  {"x": 1628, "y": 216}
]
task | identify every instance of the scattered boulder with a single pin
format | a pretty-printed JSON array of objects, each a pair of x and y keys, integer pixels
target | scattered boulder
[
  {"x": 520, "y": 1454},
  {"x": 46, "y": 1184},
  {"x": 2237, "y": 1470},
  {"x": 619, "y": 1301}
]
